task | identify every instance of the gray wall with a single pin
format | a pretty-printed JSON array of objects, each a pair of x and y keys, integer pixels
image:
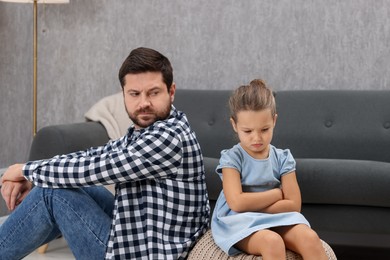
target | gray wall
[{"x": 219, "y": 44}]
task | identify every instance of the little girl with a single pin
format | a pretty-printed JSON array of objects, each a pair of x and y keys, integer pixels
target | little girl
[{"x": 258, "y": 211}]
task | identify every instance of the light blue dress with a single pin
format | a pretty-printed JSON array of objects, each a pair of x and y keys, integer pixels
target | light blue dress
[{"x": 228, "y": 227}]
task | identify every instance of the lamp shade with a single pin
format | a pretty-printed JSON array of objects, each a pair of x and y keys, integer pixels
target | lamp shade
[{"x": 38, "y": 1}]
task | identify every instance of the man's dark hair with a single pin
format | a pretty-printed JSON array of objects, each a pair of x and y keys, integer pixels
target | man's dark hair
[{"x": 142, "y": 60}]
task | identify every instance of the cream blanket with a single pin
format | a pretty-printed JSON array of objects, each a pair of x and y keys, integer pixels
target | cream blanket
[{"x": 111, "y": 113}]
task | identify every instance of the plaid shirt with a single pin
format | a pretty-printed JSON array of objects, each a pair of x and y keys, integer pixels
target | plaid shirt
[{"x": 161, "y": 203}]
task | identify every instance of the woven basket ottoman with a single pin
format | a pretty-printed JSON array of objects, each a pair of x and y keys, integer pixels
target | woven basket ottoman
[{"x": 205, "y": 248}]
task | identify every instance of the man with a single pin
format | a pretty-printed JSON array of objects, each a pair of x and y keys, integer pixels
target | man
[{"x": 160, "y": 207}]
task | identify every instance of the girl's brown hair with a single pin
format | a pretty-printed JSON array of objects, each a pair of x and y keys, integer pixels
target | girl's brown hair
[{"x": 255, "y": 96}]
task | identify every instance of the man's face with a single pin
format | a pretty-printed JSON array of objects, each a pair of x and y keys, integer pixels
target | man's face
[{"x": 147, "y": 99}]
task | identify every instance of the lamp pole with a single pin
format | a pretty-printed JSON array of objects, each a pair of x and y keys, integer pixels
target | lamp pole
[
  {"x": 35, "y": 67},
  {"x": 35, "y": 51}
]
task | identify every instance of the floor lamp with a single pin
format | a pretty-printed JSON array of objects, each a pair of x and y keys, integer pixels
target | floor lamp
[
  {"x": 35, "y": 50},
  {"x": 35, "y": 3}
]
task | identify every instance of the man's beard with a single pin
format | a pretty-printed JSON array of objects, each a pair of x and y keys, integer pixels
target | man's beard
[{"x": 155, "y": 116}]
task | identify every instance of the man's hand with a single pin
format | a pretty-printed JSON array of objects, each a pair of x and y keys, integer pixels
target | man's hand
[
  {"x": 13, "y": 173},
  {"x": 14, "y": 186},
  {"x": 14, "y": 192}
]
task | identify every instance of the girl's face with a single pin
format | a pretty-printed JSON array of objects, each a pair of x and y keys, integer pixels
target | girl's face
[{"x": 255, "y": 130}]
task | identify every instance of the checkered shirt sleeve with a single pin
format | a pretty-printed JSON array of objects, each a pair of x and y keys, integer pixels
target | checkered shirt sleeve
[{"x": 154, "y": 155}]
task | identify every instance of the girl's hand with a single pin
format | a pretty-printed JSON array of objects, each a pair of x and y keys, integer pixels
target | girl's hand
[{"x": 291, "y": 196}]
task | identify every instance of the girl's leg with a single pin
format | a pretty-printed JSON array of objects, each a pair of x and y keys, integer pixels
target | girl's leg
[
  {"x": 266, "y": 243},
  {"x": 46, "y": 213},
  {"x": 303, "y": 240}
]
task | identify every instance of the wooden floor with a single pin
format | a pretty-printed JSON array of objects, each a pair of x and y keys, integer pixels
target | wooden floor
[{"x": 58, "y": 249}]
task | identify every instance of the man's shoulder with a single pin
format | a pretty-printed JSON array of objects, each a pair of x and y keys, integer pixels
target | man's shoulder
[
  {"x": 177, "y": 120},
  {"x": 175, "y": 124}
]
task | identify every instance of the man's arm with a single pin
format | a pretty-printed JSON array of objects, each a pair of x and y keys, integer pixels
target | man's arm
[
  {"x": 155, "y": 154},
  {"x": 15, "y": 186}
]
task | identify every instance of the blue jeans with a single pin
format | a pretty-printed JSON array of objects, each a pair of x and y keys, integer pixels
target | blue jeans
[{"x": 83, "y": 216}]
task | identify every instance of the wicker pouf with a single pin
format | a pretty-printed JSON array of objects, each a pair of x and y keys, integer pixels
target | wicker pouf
[{"x": 205, "y": 248}]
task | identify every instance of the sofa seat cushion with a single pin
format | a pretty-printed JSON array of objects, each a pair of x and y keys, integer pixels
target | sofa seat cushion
[{"x": 344, "y": 182}]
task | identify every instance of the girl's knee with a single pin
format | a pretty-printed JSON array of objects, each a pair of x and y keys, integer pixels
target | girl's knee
[
  {"x": 312, "y": 237},
  {"x": 273, "y": 239},
  {"x": 305, "y": 233},
  {"x": 273, "y": 246},
  {"x": 266, "y": 243},
  {"x": 312, "y": 243}
]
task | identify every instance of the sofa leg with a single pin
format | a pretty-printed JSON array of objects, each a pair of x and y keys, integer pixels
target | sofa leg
[{"x": 42, "y": 249}]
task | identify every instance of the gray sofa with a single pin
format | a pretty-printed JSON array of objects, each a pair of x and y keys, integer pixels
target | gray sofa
[{"x": 341, "y": 142}]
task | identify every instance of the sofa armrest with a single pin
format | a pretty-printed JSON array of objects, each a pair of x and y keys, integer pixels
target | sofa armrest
[{"x": 62, "y": 139}]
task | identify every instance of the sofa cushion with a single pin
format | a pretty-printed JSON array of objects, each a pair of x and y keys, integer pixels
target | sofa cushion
[
  {"x": 208, "y": 115},
  {"x": 334, "y": 124},
  {"x": 348, "y": 182}
]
